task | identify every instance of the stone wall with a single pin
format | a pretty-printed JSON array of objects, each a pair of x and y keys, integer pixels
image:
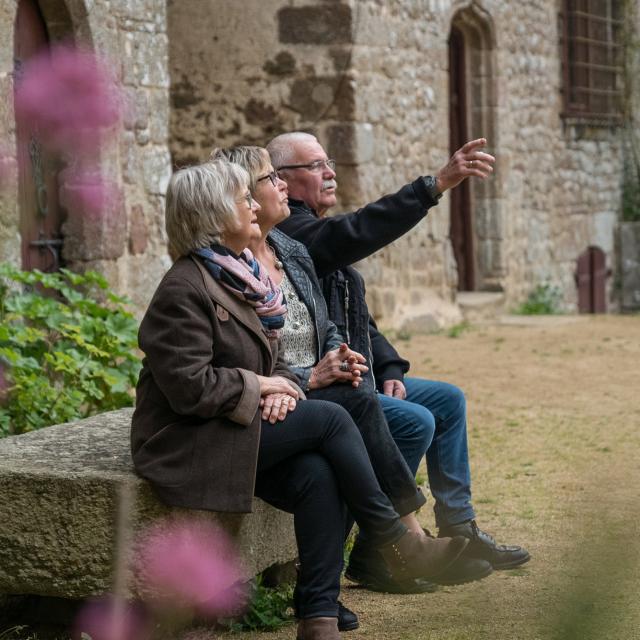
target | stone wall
[
  {"x": 127, "y": 244},
  {"x": 243, "y": 75},
  {"x": 370, "y": 78},
  {"x": 556, "y": 188}
]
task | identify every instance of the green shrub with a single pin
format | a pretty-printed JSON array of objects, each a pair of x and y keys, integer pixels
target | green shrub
[
  {"x": 543, "y": 300},
  {"x": 269, "y": 609},
  {"x": 67, "y": 348}
]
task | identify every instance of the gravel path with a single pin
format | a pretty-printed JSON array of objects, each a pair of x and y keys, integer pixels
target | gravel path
[{"x": 554, "y": 435}]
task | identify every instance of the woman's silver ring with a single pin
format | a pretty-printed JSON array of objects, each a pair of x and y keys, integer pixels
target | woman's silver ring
[{"x": 344, "y": 366}]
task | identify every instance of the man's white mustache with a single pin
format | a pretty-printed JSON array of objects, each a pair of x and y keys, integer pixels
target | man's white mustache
[{"x": 328, "y": 184}]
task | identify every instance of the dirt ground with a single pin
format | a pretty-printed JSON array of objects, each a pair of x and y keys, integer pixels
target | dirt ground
[{"x": 554, "y": 437}]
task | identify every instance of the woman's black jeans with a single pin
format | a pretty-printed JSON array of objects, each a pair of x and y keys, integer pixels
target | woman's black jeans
[
  {"x": 314, "y": 464},
  {"x": 389, "y": 465}
]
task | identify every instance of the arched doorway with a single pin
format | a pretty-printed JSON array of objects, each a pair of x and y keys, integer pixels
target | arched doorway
[
  {"x": 476, "y": 229},
  {"x": 41, "y": 217},
  {"x": 461, "y": 220}
]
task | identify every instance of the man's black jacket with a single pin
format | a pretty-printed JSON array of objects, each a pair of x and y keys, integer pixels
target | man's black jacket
[{"x": 336, "y": 242}]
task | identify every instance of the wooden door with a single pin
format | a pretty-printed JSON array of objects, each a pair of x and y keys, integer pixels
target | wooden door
[
  {"x": 40, "y": 214},
  {"x": 591, "y": 279},
  {"x": 461, "y": 225}
]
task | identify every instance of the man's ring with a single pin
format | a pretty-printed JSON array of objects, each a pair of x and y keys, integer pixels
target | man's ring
[
  {"x": 470, "y": 164},
  {"x": 344, "y": 366}
]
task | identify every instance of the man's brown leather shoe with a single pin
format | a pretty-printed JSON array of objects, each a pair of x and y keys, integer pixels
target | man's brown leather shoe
[
  {"x": 318, "y": 629},
  {"x": 416, "y": 556}
]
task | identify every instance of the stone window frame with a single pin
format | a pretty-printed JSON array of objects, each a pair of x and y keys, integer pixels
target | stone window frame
[{"x": 591, "y": 39}]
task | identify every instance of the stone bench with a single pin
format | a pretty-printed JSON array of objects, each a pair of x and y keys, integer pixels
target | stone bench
[{"x": 59, "y": 496}]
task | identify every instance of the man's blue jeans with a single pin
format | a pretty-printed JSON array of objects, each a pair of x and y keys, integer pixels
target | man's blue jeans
[{"x": 432, "y": 420}]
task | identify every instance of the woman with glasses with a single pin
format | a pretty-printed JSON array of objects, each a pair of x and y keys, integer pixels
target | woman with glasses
[
  {"x": 219, "y": 417},
  {"x": 326, "y": 368}
]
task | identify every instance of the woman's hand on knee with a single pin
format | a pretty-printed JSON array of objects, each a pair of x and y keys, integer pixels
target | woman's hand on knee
[
  {"x": 276, "y": 384},
  {"x": 275, "y": 406},
  {"x": 339, "y": 365}
]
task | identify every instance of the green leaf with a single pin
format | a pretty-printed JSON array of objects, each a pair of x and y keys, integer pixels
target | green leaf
[{"x": 68, "y": 346}]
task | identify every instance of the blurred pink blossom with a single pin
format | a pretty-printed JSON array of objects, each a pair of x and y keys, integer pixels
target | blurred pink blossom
[
  {"x": 110, "y": 618},
  {"x": 192, "y": 564},
  {"x": 69, "y": 97},
  {"x": 86, "y": 193}
]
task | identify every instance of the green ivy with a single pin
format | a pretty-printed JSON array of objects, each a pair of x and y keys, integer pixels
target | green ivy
[{"x": 67, "y": 348}]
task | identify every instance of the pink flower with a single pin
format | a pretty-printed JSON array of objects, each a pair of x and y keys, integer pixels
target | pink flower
[
  {"x": 192, "y": 564},
  {"x": 110, "y": 618},
  {"x": 86, "y": 193},
  {"x": 69, "y": 98}
]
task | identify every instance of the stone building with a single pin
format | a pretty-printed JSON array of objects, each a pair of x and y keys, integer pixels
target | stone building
[{"x": 390, "y": 87}]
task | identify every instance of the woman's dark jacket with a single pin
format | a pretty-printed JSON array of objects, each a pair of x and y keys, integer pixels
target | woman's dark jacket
[
  {"x": 301, "y": 273},
  {"x": 336, "y": 242},
  {"x": 196, "y": 427}
]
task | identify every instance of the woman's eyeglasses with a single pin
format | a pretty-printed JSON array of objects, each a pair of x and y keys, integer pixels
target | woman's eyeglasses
[
  {"x": 272, "y": 176},
  {"x": 248, "y": 198}
]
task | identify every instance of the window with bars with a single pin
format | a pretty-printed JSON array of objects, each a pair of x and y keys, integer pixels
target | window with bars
[{"x": 592, "y": 61}]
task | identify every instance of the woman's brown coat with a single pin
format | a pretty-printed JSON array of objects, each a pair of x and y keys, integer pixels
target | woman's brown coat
[{"x": 196, "y": 426}]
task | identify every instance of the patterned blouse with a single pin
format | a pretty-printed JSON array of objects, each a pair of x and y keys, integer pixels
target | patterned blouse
[{"x": 298, "y": 334}]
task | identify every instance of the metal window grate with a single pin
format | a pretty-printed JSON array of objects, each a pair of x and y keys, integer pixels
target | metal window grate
[{"x": 592, "y": 58}]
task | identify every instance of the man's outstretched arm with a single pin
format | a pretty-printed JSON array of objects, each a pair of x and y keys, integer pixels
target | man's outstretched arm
[{"x": 338, "y": 241}]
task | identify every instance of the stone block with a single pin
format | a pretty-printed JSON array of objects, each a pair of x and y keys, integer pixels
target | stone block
[
  {"x": 156, "y": 169},
  {"x": 158, "y": 115},
  {"x": 60, "y": 489},
  {"x": 630, "y": 265},
  {"x": 350, "y": 142},
  {"x": 145, "y": 59},
  {"x": 136, "y": 110},
  {"x": 315, "y": 24},
  {"x": 321, "y": 97},
  {"x": 129, "y": 158},
  {"x": 604, "y": 225},
  {"x": 138, "y": 231},
  {"x": 139, "y": 9},
  {"x": 282, "y": 65},
  {"x": 143, "y": 272},
  {"x": 90, "y": 234}
]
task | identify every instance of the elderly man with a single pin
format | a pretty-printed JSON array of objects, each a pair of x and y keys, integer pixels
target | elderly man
[{"x": 425, "y": 417}]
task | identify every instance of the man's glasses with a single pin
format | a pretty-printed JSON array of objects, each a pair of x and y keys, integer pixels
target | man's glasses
[
  {"x": 313, "y": 167},
  {"x": 272, "y": 176}
]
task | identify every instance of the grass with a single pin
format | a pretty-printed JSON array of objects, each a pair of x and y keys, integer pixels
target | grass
[{"x": 458, "y": 329}]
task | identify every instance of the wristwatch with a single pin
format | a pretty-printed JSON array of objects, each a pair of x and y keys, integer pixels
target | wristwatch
[{"x": 432, "y": 187}]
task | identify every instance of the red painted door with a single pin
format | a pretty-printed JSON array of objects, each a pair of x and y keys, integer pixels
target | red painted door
[
  {"x": 591, "y": 279},
  {"x": 461, "y": 224},
  {"x": 40, "y": 215}
]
